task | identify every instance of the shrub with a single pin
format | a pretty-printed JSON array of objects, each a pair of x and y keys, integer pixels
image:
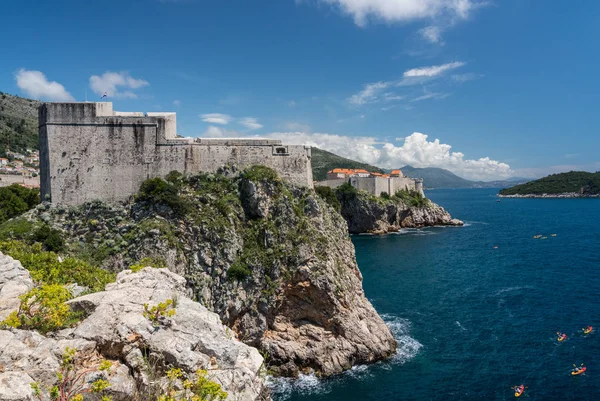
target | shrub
[
  {"x": 260, "y": 174},
  {"x": 411, "y": 198},
  {"x": 43, "y": 309},
  {"x": 17, "y": 228},
  {"x": 238, "y": 271},
  {"x": 45, "y": 267},
  {"x": 160, "y": 313},
  {"x": 156, "y": 262},
  {"x": 328, "y": 195},
  {"x": 156, "y": 190},
  {"x": 50, "y": 239},
  {"x": 16, "y": 200},
  {"x": 201, "y": 388},
  {"x": 346, "y": 192},
  {"x": 72, "y": 379},
  {"x": 385, "y": 195}
]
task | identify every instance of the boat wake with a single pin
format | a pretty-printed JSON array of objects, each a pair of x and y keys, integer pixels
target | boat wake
[
  {"x": 283, "y": 388},
  {"x": 510, "y": 289},
  {"x": 460, "y": 326}
]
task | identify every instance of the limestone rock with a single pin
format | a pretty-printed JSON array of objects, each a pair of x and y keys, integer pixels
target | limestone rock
[
  {"x": 365, "y": 215},
  {"x": 14, "y": 281},
  {"x": 187, "y": 340}
]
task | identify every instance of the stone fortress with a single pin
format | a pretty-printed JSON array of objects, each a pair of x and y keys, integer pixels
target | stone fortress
[
  {"x": 373, "y": 183},
  {"x": 88, "y": 152}
]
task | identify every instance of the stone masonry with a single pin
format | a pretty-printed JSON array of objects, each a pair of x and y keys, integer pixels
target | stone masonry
[{"x": 88, "y": 151}]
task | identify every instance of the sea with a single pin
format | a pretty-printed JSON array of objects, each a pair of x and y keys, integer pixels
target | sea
[{"x": 476, "y": 309}]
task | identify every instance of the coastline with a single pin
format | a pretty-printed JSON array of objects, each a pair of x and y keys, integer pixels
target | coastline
[{"x": 561, "y": 195}]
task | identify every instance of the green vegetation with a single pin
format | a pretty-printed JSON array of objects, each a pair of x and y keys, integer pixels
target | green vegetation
[
  {"x": 323, "y": 161},
  {"x": 260, "y": 174},
  {"x": 201, "y": 388},
  {"x": 411, "y": 198},
  {"x": 18, "y": 123},
  {"x": 45, "y": 267},
  {"x": 328, "y": 195},
  {"x": 73, "y": 377},
  {"x": 574, "y": 181},
  {"x": 155, "y": 261},
  {"x": 16, "y": 200},
  {"x": 346, "y": 192},
  {"x": 159, "y": 314},
  {"x": 161, "y": 192},
  {"x": 238, "y": 271},
  {"x": 43, "y": 309}
]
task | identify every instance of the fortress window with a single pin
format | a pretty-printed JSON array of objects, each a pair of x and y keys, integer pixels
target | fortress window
[{"x": 280, "y": 150}]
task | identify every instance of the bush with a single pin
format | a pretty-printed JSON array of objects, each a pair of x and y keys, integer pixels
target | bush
[
  {"x": 201, "y": 388},
  {"x": 160, "y": 314},
  {"x": 328, "y": 195},
  {"x": 260, "y": 174},
  {"x": 16, "y": 200},
  {"x": 385, "y": 195},
  {"x": 46, "y": 268},
  {"x": 50, "y": 239},
  {"x": 156, "y": 262},
  {"x": 346, "y": 192},
  {"x": 411, "y": 198},
  {"x": 43, "y": 309},
  {"x": 156, "y": 190},
  {"x": 73, "y": 378},
  {"x": 238, "y": 271}
]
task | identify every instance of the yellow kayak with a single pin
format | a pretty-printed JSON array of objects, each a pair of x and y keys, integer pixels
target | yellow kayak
[
  {"x": 578, "y": 372},
  {"x": 519, "y": 390},
  {"x": 588, "y": 330}
]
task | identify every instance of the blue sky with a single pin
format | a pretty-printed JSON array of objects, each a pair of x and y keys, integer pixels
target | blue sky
[{"x": 487, "y": 89}]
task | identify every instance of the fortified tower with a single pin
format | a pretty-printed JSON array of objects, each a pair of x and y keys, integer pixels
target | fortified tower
[{"x": 88, "y": 151}]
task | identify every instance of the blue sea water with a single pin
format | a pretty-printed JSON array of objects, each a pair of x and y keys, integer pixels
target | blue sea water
[{"x": 473, "y": 320}]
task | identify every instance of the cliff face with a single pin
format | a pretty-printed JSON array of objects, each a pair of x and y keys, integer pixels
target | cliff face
[
  {"x": 273, "y": 261},
  {"x": 367, "y": 214}
]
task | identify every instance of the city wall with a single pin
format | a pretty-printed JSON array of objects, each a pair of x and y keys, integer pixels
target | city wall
[
  {"x": 377, "y": 185},
  {"x": 88, "y": 151}
]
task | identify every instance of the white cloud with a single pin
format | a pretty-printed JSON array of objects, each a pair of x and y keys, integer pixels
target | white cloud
[
  {"x": 250, "y": 123},
  {"x": 177, "y": 103},
  {"x": 432, "y": 71},
  {"x": 369, "y": 94},
  {"x": 432, "y": 95},
  {"x": 470, "y": 76},
  {"x": 216, "y": 118},
  {"x": 404, "y": 10},
  {"x": 111, "y": 82},
  {"x": 432, "y": 34},
  {"x": 390, "y": 97},
  {"x": 35, "y": 84},
  {"x": 416, "y": 151}
]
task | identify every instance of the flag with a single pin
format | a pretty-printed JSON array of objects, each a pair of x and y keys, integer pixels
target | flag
[{"x": 103, "y": 96}]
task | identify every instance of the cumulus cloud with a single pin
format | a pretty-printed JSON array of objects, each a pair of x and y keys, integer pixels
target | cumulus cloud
[
  {"x": 433, "y": 71},
  {"x": 36, "y": 85},
  {"x": 216, "y": 118},
  {"x": 116, "y": 84},
  {"x": 432, "y": 34},
  {"x": 416, "y": 151},
  {"x": 250, "y": 123},
  {"x": 404, "y": 10}
]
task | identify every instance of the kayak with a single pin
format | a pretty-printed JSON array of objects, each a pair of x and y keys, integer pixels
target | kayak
[
  {"x": 588, "y": 330},
  {"x": 519, "y": 390},
  {"x": 578, "y": 372},
  {"x": 562, "y": 337}
]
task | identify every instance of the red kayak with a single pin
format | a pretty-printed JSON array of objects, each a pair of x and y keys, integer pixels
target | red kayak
[
  {"x": 519, "y": 390},
  {"x": 579, "y": 371}
]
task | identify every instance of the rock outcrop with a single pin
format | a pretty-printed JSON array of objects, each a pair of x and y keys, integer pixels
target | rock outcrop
[
  {"x": 367, "y": 214},
  {"x": 115, "y": 328},
  {"x": 275, "y": 262}
]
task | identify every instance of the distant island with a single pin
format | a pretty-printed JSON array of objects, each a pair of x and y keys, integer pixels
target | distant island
[{"x": 574, "y": 184}]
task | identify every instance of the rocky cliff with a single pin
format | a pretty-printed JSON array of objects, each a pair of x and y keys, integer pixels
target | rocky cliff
[
  {"x": 368, "y": 214},
  {"x": 115, "y": 328},
  {"x": 273, "y": 261}
]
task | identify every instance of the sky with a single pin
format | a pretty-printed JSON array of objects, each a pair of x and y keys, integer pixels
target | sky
[{"x": 489, "y": 89}]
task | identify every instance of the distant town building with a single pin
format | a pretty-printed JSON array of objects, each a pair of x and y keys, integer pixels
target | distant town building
[{"x": 372, "y": 182}]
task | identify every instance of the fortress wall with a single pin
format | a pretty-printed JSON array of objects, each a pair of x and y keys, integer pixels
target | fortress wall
[
  {"x": 87, "y": 153},
  {"x": 332, "y": 183}
]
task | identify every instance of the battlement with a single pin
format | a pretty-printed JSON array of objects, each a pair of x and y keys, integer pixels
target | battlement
[{"x": 89, "y": 151}]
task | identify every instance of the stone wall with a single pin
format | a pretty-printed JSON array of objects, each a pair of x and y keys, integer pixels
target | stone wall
[
  {"x": 377, "y": 185},
  {"x": 88, "y": 151}
]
